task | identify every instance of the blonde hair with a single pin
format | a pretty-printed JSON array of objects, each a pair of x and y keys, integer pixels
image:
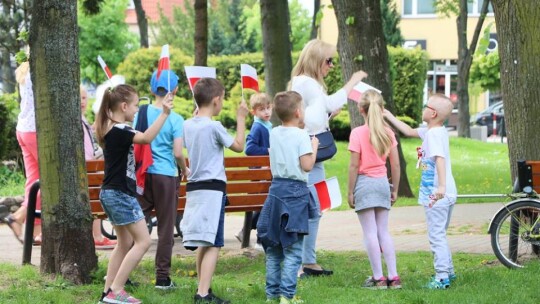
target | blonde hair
[
  {"x": 21, "y": 72},
  {"x": 312, "y": 57},
  {"x": 372, "y": 103},
  {"x": 259, "y": 100}
]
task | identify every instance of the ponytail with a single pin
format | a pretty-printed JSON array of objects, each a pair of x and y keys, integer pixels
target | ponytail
[
  {"x": 112, "y": 98},
  {"x": 372, "y": 104}
]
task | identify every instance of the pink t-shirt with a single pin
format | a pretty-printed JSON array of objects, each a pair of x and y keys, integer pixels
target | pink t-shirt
[{"x": 371, "y": 164}]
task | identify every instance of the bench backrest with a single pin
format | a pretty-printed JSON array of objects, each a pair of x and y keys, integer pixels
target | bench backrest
[
  {"x": 529, "y": 175},
  {"x": 248, "y": 181}
]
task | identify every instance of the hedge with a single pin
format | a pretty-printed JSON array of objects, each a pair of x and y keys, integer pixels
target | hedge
[{"x": 9, "y": 109}]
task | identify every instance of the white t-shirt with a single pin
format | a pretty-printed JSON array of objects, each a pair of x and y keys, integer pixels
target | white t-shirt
[
  {"x": 26, "y": 122},
  {"x": 287, "y": 144},
  {"x": 435, "y": 143},
  {"x": 317, "y": 103}
]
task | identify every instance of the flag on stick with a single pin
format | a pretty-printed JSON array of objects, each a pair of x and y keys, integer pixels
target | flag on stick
[
  {"x": 194, "y": 73},
  {"x": 328, "y": 194},
  {"x": 360, "y": 88},
  {"x": 104, "y": 67},
  {"x": 249, "y": 77},
  {"x": 164, "y": 63}
]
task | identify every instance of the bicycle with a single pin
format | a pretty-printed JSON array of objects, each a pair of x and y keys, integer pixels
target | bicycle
[{"x": 515, "y": 228}]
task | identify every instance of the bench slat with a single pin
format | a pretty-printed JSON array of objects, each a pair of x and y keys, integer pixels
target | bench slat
[{"x": 535, "y": 165}]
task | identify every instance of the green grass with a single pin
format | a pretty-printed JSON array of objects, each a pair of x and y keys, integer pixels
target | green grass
[{"x": 242, "y": 280}]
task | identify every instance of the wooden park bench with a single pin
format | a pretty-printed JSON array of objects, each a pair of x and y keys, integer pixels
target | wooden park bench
[{"x": 248, "y": 182}]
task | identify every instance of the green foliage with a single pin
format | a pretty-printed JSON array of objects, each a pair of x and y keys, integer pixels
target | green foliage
[
  {"x": 105, "y": 34},
  {"x": 349, "y": 20},
  {"x": 391, "y": 18},
  {"x": 409, "y": 121},
  {"x": 300, "y": 25},
  {"x": 9, "y": 108},
  {"x": 180, "y": 31},
  {"x": 486, "y": 71}
]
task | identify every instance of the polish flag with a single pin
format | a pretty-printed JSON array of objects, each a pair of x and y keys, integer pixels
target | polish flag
[
  {"x": 328, "y": 193},
  {"x": 194, "y": 73},
  {"x": 249, "y": 77},
  {"x": 164, "y": 63},
  {"x": 360, "y": 88},
  {"x": 104, "y": 67}
]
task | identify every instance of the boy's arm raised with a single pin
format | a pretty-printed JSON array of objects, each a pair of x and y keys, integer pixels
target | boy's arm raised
[
  {"x": 400, "y": 125},
  {"x": 241, "y": 113},
  {"x": 153, "y": 130},
  {"x": 307, "y": 161}
]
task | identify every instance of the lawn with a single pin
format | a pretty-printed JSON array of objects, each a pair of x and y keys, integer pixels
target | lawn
[{"x": 241, "y": 280}]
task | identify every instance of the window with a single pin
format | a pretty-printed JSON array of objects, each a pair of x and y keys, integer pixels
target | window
[{"x": 418, "y": 7}]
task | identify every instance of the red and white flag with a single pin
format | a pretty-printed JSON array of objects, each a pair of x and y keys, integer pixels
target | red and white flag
[
  {"x": 164, "y": 63},
  {"x": 194, "y": 73},
  {"x": 328, "y": 194},
  {"x": 361, "y": 87},
  {"x": 104, "y": 67},
  {"x": 249, "y": 77}
]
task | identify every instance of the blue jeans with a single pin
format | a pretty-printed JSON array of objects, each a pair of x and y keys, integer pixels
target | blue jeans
[
  {"x": 309, "y": 256},
  {"x": 281, "y": 280}
]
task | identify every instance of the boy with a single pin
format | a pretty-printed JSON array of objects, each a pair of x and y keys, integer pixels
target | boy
[
  {"x": 162, "y": 177},
  {"x": 202, "y": 225},
  {"x": 437, "y": 186},
  {"x": 258, "y": 140},
  {"x": 284, "y": 218}
]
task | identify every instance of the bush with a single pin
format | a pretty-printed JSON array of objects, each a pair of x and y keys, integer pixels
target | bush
[
  {"x": 9, "y": 109},
  {"x": 409, "y": 121}
]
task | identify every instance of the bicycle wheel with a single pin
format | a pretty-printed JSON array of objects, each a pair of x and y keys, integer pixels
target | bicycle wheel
[
  {"x": 513, "y": 236},
  {"x": 107, "y": 229}
]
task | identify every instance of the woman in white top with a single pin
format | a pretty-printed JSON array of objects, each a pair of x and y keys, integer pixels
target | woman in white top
[{"x": 313, "y": 65}]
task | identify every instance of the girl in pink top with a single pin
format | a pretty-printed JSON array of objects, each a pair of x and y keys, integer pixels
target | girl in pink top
[{"x": 370, "y": 193}]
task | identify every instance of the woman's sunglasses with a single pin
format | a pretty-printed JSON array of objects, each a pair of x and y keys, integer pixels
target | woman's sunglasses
[{"x": 329, "y": 61}]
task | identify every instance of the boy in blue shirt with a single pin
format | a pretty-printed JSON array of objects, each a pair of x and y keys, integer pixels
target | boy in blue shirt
[
  {"x": 162, "y": 177},
  {"x": 284, "y": 218}
]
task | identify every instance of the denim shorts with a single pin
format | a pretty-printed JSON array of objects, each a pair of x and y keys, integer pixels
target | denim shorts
[
  {"x": 122, "y": 209},
  {"x": 220, "y": 238}
]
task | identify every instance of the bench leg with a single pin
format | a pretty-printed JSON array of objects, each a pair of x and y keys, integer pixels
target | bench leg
[
  {"x": 247, "y": 229},
  {"x": 29, "y": 228}
]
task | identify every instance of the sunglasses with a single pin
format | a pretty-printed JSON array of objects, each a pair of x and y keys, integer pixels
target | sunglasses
[
  {"x": 329, "y": 61},
  {"x": 428, "y": 107}
]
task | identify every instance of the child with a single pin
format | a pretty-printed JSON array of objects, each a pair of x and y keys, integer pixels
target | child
[
  {"x": 284, "y": 218},
  {"x": 161, "y": 179},
  {"x": 202, "y": 225},
  {"x": 437, "y": 186},
  {"x": 258, "y": 140},
  {"x": 118, "y": 193},
  {"x": 369, "y": 191}
]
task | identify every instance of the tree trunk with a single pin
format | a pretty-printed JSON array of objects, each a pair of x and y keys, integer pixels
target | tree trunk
[
  {"x": 276, "y": 45},
  {"x": 68, "y": 247},
  {"x": 8, "y": 75},
  {"x": 519, "y": 50},
  {"x": 362, "y": 46},
  {"x": 142, "y": 22},
  {"x": 314, "y": 23},
  {"x": 465, "y": 57},
  {"x": 201, "y": 32}
]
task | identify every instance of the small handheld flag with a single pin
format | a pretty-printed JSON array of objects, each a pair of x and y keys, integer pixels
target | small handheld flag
[
  {"x": 249, "y": 77},
  {"x": 360, "y": 88},
  {"x": 194, "y": 73},
  {"x": 164, "y": 62},
  {"x": 104, "y": 67},
  {"x": 328, "y": 193}
]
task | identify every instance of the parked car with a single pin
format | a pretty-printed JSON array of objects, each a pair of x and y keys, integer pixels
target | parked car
[{"x": 485, "y": 118}]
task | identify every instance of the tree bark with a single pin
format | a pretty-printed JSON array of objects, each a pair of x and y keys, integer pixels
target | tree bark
[
  {"x": 314, "y": 25},
  {"x": 465, "y": 57},
  {"x": 201, "y": 32},
  {"x": 362, "y": 46},
  {"x": 68, "y": 247},
  {"x": 519, "y": 50},
  {"x": 142, "y": 22},
  {"x": 276, "y": 45}
]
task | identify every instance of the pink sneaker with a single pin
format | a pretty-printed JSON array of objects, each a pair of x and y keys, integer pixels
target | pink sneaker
[
  {"x": 105, "y": 244},
  {"x": 122, "y": 297}
]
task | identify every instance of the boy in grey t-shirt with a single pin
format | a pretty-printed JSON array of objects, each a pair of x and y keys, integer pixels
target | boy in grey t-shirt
[{"x": 205, "y": 140}]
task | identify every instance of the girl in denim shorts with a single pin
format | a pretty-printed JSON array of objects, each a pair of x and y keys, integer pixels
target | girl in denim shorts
[{"x": 118, "y": 193}]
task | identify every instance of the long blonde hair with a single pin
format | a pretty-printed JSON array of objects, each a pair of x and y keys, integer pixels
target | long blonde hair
[
  {"x": 372, "y": 103},
  {"x": 21, "y": 72},
  {"x": 313, "y": 55}
]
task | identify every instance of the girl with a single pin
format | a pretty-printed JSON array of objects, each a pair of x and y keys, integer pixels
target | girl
[
  {"x": 118, "y": 193},
  {"x": 369, "y": 191}
]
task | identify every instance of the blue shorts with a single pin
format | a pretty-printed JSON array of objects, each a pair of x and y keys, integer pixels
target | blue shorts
[
  {"x": 122, "y": 209},
  {"x": 220, "y": 239}
]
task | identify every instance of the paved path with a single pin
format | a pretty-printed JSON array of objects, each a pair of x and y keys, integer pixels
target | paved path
[{"x": 339, "y": 231}]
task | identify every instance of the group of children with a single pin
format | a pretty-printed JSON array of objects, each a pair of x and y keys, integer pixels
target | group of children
[{"x": 283, "y": 221}]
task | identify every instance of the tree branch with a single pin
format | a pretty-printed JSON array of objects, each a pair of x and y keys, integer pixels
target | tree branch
[{"x": 479, "y": 24}]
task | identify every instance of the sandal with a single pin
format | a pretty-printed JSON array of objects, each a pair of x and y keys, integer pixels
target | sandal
[
  {"x": 15, "y": 227},
  {"x": 316, "y": 272},
  {"x": 37, "y": 240}
]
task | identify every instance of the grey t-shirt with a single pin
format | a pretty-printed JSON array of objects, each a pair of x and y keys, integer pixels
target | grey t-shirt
[{"x": 205, "y": 140}]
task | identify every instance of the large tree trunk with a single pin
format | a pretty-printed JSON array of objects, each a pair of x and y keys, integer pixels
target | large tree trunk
[
  {"x": 465, "y": 57},
  {"x": 201, "y": 32},
  {"x": 314, "y": 23},
  {"x": 142, "y": 22},
  {"x": 276, "y": 45},
  {"x": 68, "y": 247},
  {"x": 519, "y": 49},
  {"x": 362, "y": 46}
]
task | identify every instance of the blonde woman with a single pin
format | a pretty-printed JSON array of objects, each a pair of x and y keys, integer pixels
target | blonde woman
[
  {"x": 314, "y": 63},
  {"x": 370, "y": 194}
]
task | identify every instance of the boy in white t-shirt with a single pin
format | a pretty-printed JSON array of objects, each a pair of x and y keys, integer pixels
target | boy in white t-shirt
[{"x": 437, "y": 186}]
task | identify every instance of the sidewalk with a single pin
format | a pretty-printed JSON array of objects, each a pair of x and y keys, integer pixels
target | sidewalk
[{"x": 339, "y": 231}]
